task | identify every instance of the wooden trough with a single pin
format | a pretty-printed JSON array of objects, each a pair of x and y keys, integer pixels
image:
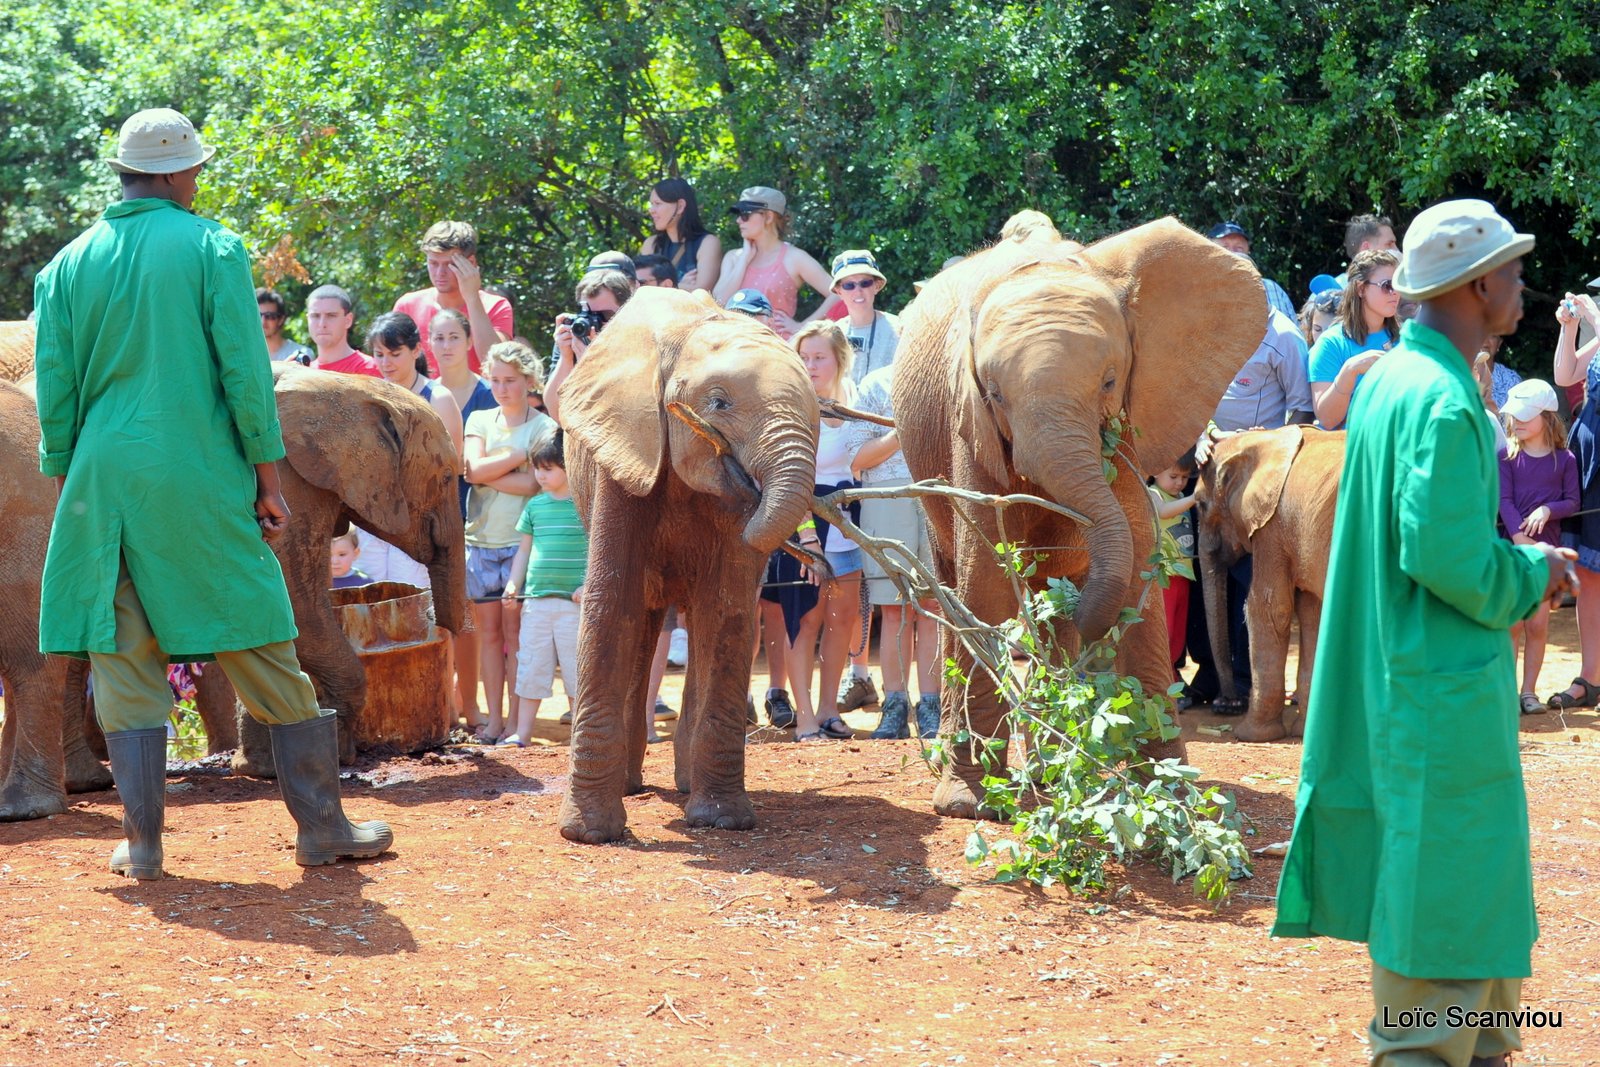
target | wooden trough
[{"x": 407, "y": 659}]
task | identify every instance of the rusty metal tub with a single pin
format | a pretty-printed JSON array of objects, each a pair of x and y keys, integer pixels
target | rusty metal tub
[{"x": 407, "y": 659}]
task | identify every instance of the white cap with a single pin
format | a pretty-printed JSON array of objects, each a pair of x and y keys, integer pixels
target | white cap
[
  {"x": 1450, "y": 244},
  {"x": 1528, "y": 398},
  {"x": 159, "y": 141}
]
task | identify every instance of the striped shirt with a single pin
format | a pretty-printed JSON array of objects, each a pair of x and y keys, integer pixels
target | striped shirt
[{"x": 560, "y": 557}]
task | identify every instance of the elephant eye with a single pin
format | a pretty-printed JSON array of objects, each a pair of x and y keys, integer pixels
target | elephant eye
[
  {"x": 1110, "y": 383},
  {"x": 719, "y": 403}
]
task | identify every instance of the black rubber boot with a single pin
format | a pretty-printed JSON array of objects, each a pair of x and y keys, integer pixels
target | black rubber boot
[
  {"x": 139, "y": 765},
  {"x": 307, "y": 755}
]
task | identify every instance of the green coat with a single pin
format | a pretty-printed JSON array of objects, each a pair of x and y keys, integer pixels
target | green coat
[
  {"x": 155, "y": 398},
  {"x": 1411, "y": 824}
]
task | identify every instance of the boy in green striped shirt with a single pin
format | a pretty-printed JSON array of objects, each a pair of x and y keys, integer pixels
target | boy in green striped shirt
[{"x": 549, "y": 569}]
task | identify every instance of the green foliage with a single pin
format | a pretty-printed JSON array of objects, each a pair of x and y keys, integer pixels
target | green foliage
[
  {"x": 914, "y": 127},
  {"x": 191, "y": 742},
  {"x": 1086, "y": 792}
]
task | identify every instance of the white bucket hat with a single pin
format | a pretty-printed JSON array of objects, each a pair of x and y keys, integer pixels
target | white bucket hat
[
  {"x": 159, "y": 141},
  {"x": 1452, "y": 243},
  {"x": 1528, "y": 398}
]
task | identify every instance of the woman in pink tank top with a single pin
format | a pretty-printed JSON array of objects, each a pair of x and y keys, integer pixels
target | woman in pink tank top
[{"x": 769, "y": 264}]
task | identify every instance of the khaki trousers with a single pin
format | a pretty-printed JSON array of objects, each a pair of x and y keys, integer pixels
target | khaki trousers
[
  {"x": 130, "y": 685},
  {"x": 1427, "y": 1039}
]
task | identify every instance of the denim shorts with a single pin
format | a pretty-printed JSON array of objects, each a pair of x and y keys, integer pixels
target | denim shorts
[
  {"x": 488, "y": 570},
  {"x": 844, "y": 563}
]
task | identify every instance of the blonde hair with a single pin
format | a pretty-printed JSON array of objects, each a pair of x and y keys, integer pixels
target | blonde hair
[
  {"x": 844, "y": 390},
  {"x": 520, "y": 358},
  {"x": 1026, "y": 223},
  {"x": 349, "y": 535},
  {"x": 1352, "y": 309},
  {"x": 1554, "y": 429}
]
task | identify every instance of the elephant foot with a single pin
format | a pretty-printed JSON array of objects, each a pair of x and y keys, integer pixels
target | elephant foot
[
  {"x": 19, "y": 804},
  {"x": 956, "y": 798},
  {"x": 596, "y": 823},
  {"x": 1296, "y": 723},
  {"x": 85, "y": 774},
  {"x": 253, "y": 765},
  {"x": 1251, "y": 728},
  {"x": 634, "y": 786},
  {"x": 733, "y": 812},
  {"x": 347, "y": 745},
  {"x": 680, "y": 782}
]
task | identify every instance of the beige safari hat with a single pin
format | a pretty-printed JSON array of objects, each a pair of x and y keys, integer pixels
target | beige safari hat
[
  {"x": 1450, "y": 244},
  {"x": 159, "y": 141},
  {"x": 761, "y": 198}
]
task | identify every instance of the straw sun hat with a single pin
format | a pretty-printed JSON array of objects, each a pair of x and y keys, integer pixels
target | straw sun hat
[{"x": 1450, "y": 244}]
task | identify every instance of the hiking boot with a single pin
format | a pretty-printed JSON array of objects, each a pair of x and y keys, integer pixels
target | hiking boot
[
  {"x": 307, "y": 755},
  {"x": 780, "y": 712},
  {"x": 892, "y": 726},
  {"x": 928, "y": 716},
  {"x": 856, "y": 692},
  {"x": 139, "y": 766},
  {"x": 750, "y": 710}
]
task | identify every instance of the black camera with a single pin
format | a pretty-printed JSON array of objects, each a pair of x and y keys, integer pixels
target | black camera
[{"x": 586, "y": 323}]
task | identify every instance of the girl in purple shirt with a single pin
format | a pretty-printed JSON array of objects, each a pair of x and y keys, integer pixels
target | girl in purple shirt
[{"x": 1538, "y": 488}]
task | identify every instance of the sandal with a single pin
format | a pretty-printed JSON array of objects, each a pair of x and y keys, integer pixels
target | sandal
[
  {"x": 1532, "y": 705},
  {"x": 836, "y": 728},
  {"x": 814, "y": 735},
  {"x": 1563, "y": 700}
]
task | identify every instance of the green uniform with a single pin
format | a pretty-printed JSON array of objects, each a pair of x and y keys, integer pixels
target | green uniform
[
  {"x": 1411, "y": 823},
  {"x": 155, "y": 398}
]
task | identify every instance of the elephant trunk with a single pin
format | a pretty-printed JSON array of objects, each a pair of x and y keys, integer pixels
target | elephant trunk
[
  {"x": 447, "y": 569},
  {"x": 1073, "y": 477},
  {"x": 1214, "y": 589},
  {"x": 786, "y": 468}
]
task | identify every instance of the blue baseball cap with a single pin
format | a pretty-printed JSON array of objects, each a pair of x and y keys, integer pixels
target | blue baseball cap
[
  {"x": 749, "y": 301},
  {"x": 1223, "y": 229},
  {"x": 1323, "y": 282}
]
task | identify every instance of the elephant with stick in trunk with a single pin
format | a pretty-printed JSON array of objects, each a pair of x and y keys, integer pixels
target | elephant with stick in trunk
[
  {"x": 1035, "y": 367},
  {"x": 691, "y": 451},
  {"x": 1270, "y": 494}
]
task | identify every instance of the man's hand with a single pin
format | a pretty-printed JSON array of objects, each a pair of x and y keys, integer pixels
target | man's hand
[
  {"x": 567, "y": 344},
  {"x": 1563, "y": 571},
  {"x": 510, "y": 591},
  {"x": 468, "y": 276},
  {"x": 272, "y": 512}
]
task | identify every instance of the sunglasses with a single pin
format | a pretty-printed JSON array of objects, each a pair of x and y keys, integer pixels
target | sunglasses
[
  {"x": 1387, "y": 285},
  {"x": 852, "y": 286},
  {"x": 272, "y": 316},
  {"x": 746, "y": 216}
]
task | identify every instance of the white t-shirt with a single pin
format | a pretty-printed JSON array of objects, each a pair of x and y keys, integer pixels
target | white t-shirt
[{"x": 834, "y": 453}]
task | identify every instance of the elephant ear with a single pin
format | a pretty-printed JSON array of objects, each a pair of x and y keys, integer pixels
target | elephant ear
[
  {"x": 343, "y": 435},
  {"x": 1267, "y": 458},
  {"x": 974, "y": 417},
  {"x": 1196, "y": 312},
  {"x": 611, "y": 402}
]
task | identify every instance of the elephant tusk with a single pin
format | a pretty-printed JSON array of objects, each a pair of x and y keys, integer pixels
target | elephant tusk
[{"x": 834, "y": 410}]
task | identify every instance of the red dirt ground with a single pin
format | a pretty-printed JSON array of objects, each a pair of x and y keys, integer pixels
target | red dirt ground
[{"x": 845, "y": 928}]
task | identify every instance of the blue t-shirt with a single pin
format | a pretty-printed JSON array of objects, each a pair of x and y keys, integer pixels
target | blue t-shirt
[{"x": 1333, "y": 349}]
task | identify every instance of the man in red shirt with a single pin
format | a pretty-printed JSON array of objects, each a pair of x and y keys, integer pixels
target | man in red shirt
[
  {"x": 452, "y": 252},
  {"x": 328, "y": 319}
]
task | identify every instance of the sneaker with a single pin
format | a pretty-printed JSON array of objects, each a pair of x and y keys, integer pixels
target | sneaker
[
  {"x": 566, "y": 717},
  {"x": 750, "y": 710},
  {"x": 892, "y": 726},
  {"x": 678, "y": 648},
  {"x": 928, "y": 716},
  {"x": 780, "y": 712},
  {"x": 856, "y": 692},
  {"x": 665, "y": 711}
]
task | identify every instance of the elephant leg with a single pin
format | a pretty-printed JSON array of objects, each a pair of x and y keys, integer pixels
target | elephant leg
[
  {"x": 215, "y": 700},
  {"x": 974, "y": 707},
  {"x": 719, "y": 677},
  {"x": 1308, "y": 607},
  {"x": 85, "y": 773},
  {"x": 34, "y": 784},
  {"x": 592, "y": 811},
  {"x": 638, "y": 722},
  {"x": 1269, "y": 612}
]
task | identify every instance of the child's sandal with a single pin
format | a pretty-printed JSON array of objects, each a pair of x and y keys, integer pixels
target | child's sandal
[{"x": 1532, "y": 705}]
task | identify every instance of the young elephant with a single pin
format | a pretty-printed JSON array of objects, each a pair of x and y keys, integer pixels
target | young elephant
[
  {"x": 1011, "y": 367},
  {"x": 691, "y": 450},
  {"x": 1271, "y": 494}
]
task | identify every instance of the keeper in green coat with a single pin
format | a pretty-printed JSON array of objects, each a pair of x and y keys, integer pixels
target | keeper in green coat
[
  {"x": 1411, "y": 824},
  {"x": 159, "y": 425}
]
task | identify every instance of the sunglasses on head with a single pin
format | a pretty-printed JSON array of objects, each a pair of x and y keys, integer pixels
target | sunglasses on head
[
  {"x": 1387, "y": 285},
  {"x": 850, "y": 286}
]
